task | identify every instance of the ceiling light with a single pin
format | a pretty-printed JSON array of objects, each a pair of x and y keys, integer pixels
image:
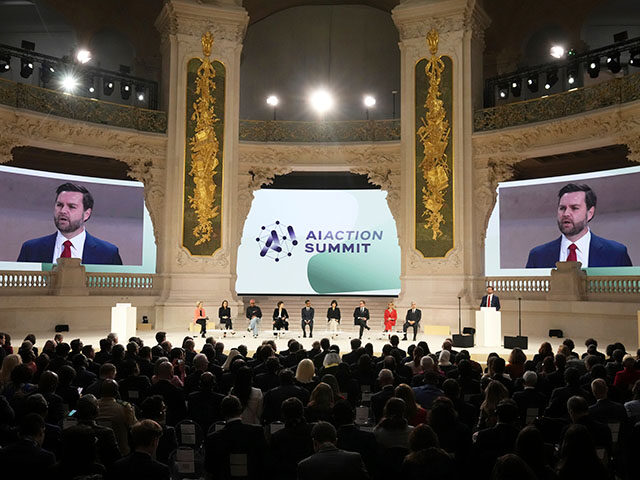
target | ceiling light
[
  {"x": 273, "y": 100},
  {"x": 107, "y": 86},
  {"x": 613, "y": 62},
  {"x": 557, "y": 51},
  {"x": 83, "y": 55},
  {"x": 369, "y": 101},
  {"x": 46, "y": 72},
  {"x": 69, "y": 83},
  {"x": 26, "y": 67},
  {"x": 5, "y": 63},
  {"x": 125, "y": 90},
  {"x": 516, "y": 87},
  {"x": 634, "y": 57},
  {"x": 593, "y": 67},
  {"x": 140, "y": 93},
  {"x": 321, "y": 101},
  {"x": 552, "y": 78},
  {"x": 532, "y": 82},
  {"x": 503, "y": 90}
]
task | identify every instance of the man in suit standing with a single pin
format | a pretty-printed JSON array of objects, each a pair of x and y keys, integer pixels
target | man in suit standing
[
  {"x": 576, "y": 208},
  {"x": 329, "y": 461},
  {"x": 412, "y": 320},
  {"x": 307, "y": 319},
  {"x": 490, "y": 299},
  {"x": 71, "y": 211},
  {"x": 361, "y": 317}
]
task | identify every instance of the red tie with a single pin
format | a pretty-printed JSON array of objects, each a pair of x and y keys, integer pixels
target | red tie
[
  {"x": 66, "y": 251},
  {"x": 572, "y": 253},
  {"x": 489, "y": 301}
]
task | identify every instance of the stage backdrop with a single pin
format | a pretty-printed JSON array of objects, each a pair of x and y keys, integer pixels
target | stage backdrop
[
  {"x": 319, "y": 242},
  {"x": 434, "y": 208},
  {"x": 204, "y": 154}
]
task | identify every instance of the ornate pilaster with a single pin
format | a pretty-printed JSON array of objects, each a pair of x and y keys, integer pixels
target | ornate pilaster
[
  {"x": 181, "y": 24},
  {"x": 460, "y": 27}
]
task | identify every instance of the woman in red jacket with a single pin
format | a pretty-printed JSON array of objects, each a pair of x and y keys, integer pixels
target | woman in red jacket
[{"x": 390, "y": 317}]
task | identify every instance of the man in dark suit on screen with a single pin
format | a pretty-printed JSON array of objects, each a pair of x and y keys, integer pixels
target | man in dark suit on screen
[
  {"x": 329, "y": 461},
  {"x": 72, "y": 209},
  {"x": 490, "y": 299},
  {"x": 576, "y": 208}
]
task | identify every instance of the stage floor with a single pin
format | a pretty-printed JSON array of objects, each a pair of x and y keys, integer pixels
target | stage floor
[{"x": 176, "y": 336}]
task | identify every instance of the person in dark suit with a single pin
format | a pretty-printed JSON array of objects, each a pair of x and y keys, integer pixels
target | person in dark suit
[
  {"x": 329, "y": 461},
  {"x": 140, "y": 463},
  {"x": 72, "y": 210},
  {"x": 274, "y": 398},
  {"x": 203, "y": 405},
  {"x": 379, "y": 400},
  {"x": 307, "y": 315},
  {"x": 239, "y": 446},
  {"x": 498, "y": 440},
  {"x": 490, "y": 299},
  {"x": 280, "y": 317},
  {"x": 412, "y": 320},
  {"x": 529, "y": 398},
  {"x": 361, "y": 317},
  {"x": 576, "y": 208},
  {"x": 352, "y": 439},
  {"x": 26, "y": 456}
]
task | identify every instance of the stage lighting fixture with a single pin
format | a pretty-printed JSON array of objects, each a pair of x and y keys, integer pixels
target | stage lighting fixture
[
  {"x": 27, "y": 45},
  {"x": 532, "y": 83},
  {"x": 125, "y": 90},
  {"x": 69, "y": 83},
  {"x": 46, "y": 72},
  {"x": 91, "y": 86},
  {"x": 369, "y": 101},
  {"x": 572, "y": 74},
  {"x": 5, "y": 63},
  {"x": 321, "y": 101},
  {"x": 273, "y": 101},
  {"x": 516, "y": 87},
  {"x": 557, "y": 51},
  {"x": 613, "y": 62},
  {"x": 503, "y": 90},
  {"x": 83, "y": 56},
  {"x": 634, "y": 57},
  {"x": 593, "y": 67},
  {"x": 571, "y": 53},
  {"x": 552, "y": 78},
  {"x": 107, "y": 86},
  {"x": 26, "y": 67},
  {"x": 140, "y": 93}
]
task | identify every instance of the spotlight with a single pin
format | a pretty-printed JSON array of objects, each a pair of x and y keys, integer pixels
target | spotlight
[
  {"x": 107, "y": 86},
  {"x": 5, "y": 63},
  {"x": 46, "y": 72},
  {"x": 557, "y": 51},
  {"x": 26, "y": 67},
  {"x": 321, "y": 101},
  {"x": 140, "y": 93},
  {"x": 571, "y": 53},
  {"x": 369, "y": 101},
  {"x": 613, "y": 62},
  {"x": 532, "y": 82},
  {"x": 69, "y": 83},
  {"x": 83, "y": 56},
  {"x": 503, "y": 90},
  {"x": 91, "y": 86},
  {"x": 593, "y": 67},
  {"x": 516, "y": 87},
  {"x": 273, "y": 101},
  {"x": 125, "y": 90},
  {"x": 572, "y": 74},
  {"x": 552, "y": 78},
  {"x": 634, "y": 57}
]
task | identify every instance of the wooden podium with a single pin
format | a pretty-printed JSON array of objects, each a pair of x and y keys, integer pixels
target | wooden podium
[{"x": 488, "y": 327}]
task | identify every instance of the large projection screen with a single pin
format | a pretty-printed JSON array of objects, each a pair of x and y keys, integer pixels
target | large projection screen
[
  {"x": 319, "y": 242},
  {"x": 526, "y": 216},
  {"x": 119, "y": 217}
]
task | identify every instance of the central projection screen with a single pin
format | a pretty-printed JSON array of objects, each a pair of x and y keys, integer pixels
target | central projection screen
[{"x": 319, "y": 242}]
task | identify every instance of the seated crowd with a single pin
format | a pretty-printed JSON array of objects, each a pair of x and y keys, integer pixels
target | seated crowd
[{"x": 135, "y": 411}]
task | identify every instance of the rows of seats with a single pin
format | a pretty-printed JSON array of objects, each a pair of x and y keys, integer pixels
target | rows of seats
[{"x": 130, "y": 410}]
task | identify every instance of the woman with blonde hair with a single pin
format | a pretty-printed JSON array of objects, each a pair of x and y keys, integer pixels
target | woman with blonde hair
[
  {"x": 306, "y": 375},
  {"x": 200, "y": 317},
  {"x": 8, "y": 364},
  {"x": 494, "y": 392},
  {"x": 233, "y": 353},
  {"x": 390, "y": 317},
  {"x": 320, "y": 406}
]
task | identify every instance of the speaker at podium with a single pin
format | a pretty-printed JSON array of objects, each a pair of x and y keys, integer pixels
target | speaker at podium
[{"x": 488, "y": 327}]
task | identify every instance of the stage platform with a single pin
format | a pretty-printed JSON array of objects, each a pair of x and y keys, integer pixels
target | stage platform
[{"x": 231, "y": 340}]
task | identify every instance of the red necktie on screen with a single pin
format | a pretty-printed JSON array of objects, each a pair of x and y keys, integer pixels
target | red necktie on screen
[
  {"x": 66, "y": 251},
  {"x": 572, "y": 257}
]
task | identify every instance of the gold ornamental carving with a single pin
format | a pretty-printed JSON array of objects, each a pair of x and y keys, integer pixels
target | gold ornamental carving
[
  {"x": 204, "y": 148},
  {"x": 434, "y": 135}
]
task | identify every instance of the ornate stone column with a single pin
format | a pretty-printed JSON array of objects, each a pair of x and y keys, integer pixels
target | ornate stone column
[
  {"x": 188, "y": 278},
  {"x": 436, "y": 283}
]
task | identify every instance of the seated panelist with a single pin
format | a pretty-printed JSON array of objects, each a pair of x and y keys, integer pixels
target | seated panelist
[{"x": 280, "y": 317}]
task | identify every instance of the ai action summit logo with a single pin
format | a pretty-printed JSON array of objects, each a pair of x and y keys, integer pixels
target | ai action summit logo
[{"x": 276, "y": 241}]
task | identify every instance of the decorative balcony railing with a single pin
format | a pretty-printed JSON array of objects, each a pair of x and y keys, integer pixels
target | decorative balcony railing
[
  {"x": 106, "y": 283},
  {"x": 25, "y": 282},
  {"x": 53, "y": 102},
  {"x": 532, "y": 286}
]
